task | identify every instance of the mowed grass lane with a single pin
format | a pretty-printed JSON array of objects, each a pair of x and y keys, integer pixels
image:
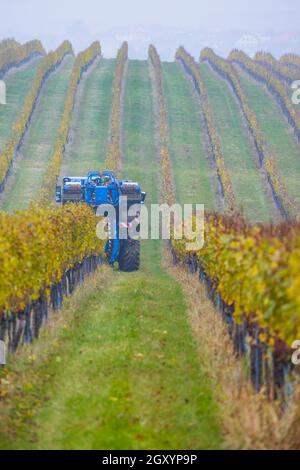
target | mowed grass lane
[
  {"x": 86, "y": 150},
  {"x": 123, "y": 370},
  {"x": 193, "y": 175},
  {"x": 38, "y": 145},
  {"x": 278, "y": 133},
  {"x": 139, "y": 162},
  {"x": 18, "y": 83},
  {"x": 239, "y": 153},
  {"x": 120, "y": 370}
]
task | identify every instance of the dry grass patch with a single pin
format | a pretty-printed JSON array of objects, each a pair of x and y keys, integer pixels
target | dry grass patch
[{"x": 250, "y": 420}]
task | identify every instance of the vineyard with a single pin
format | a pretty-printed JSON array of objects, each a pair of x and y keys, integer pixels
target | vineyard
[{"x": 98, "y": 358}]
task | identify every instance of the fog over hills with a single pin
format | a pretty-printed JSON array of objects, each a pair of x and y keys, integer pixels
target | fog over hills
[
  {"x": 168, "y": 39},
  {"x": 271, "y": 25}
]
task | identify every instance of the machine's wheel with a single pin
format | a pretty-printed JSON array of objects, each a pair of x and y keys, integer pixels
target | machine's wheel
[{"x": 129, "y": 259}]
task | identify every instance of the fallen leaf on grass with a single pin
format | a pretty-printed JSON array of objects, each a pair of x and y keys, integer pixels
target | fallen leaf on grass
[{"x": 139, "y": 355}]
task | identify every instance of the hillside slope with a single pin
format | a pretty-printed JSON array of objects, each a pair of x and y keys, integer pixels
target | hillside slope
[
  {"x": 239, "y": 153},
  {"x": 193, "y": 174},
  {"x": 87, "y": 146},
  {"x": 18, "y": 82},
  {"x": 36, "y": 150},
  {"x": 279, "y": 135},
  {"x": 121, "y": 369}
]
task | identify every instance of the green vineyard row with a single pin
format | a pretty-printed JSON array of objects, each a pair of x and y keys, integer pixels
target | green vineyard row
[
  {"x": 162, "y": 117},
  {"x": 279, "y": 69},
  {"x": 113, "y": 159},
  {"x": 246, "y": 263},
  {"x": 49, "y": 63},
  {"x": 283, "y": 200},
  {"x": 223, "y": 175},
  {"x": 274, "y": 85},
  {"x": 82, "y": 61},
  {"x": 290, "y": 60}
]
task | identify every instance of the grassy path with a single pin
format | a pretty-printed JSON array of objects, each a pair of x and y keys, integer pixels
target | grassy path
[
  {"x": 39, "y": 141},
  {"x": 18, "y": 84},
  {"x": 278, "y": 134},
  {"x": 138, "y": 130},
  {"x": 87, "y": 148},
  {"x": 120, "y": 367},
  {"x": 192, "y": 172},
  {"x": 122, "y": 372},
  {"x": 239, "y": 153}
]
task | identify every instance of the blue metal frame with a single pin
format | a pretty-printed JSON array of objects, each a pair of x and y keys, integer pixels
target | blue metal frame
[{"x": 104, "y": 188}]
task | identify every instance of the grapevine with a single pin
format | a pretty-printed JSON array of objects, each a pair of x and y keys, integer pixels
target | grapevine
[
  {"x": 37, "y": 246},
  {"x": 274, "y": 85},
  {"x": 287, "y": 205},
  {"x": 164, "y": 152},
  {"x": 223, "y": 174},
  {"x": 49, "y": 63},
  {"x": 277, "y": 68},
  {"x": 13, "y": 53},
  {"x": 83, "y": 60},
  {"x": 246, "y": 264},
  {"x": 113, "y": 158}
]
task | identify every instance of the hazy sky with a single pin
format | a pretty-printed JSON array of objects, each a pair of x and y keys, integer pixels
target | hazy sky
[{"x": 83, "y": 20}]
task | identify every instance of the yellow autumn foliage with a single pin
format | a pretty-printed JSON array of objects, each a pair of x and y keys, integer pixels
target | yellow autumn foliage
[
  {"x": 113, "y": 157},
  {"x": 256, "y": 269},
  {"x": 12, "y": 53},
  {"x": 164, "y": 151},
  {"x": 37, "y": 246}
]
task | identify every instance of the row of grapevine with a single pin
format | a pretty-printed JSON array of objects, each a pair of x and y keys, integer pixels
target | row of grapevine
[
  {"x": 260, "y": 258},
  {"x": 291, "y": 60},
  {"x": 14, "y": 53},
  {"x": 8, "y": 43},
  {"x": 242, "y": 267},
  {"x": 274, "y": 85},
  {"x": 41, "y": 250},
  {"x": 82, "y": 62},
  {"x": 277, "y": 68},
  {"x": 192, "y": 68},
  {"x": 113, "y": 158},
  {"x": 285, "y": 204},
  {"x": 167, "y": 189},
  {"x": 48, "y": 64}
]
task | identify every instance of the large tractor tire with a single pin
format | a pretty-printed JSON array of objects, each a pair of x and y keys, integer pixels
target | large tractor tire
[{"x": 129, "y": 259}]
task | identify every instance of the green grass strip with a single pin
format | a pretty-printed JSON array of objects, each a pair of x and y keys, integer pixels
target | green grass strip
[
  {"x": 122, "y": 374},
  {"x": 18, "y": 84},
  {"x": 139, "y": 162}
]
